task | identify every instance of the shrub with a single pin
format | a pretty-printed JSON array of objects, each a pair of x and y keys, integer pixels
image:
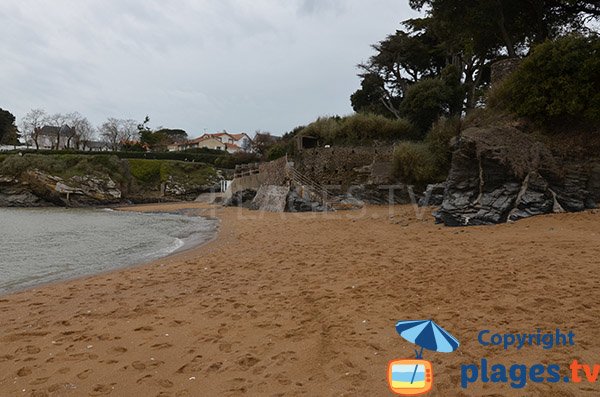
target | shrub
[
  {"x": 428, "y": 99},
  {"x": 556, "y": 85},
  {"x": 438, "y": 140},
  {"x": 359, "y": 128},
  {"x": 414, "y": 163}
]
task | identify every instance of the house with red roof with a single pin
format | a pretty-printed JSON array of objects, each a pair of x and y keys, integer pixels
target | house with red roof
[{"x": 231, "y": 143}]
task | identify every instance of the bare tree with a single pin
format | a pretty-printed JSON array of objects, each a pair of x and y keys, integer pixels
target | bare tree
[
  {"x": 57, "y": 120},
  {"x": 110, "y": 131},
  {"x": 116, "y": 131},
  {"x": 85, "y": 133},
  {"x": 31, "y": 125},
  {"x": 80, "y": 130},
  {"x": 129, "y": 130}
]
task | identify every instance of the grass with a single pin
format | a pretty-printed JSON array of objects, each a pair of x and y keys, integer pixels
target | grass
[{"x": 145, "y": 174}]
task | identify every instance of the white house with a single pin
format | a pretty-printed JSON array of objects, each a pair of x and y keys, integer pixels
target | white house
[{"x": 231, "y": 143}]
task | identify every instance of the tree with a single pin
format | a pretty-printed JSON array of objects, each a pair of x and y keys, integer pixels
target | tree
[
  {"x": 557, "y": 84},
  {"x": 118, "y": 132},
  {"x": 160, "y": 139},
  {"x": 31, "y": 125},
  {"x": 515, "y": 25},
  {"x": 429, "y": 99},
  {"x": 401, "y": 59},
  {"x": 9, "y": 134},
  {"x": 262, "y": 142}
]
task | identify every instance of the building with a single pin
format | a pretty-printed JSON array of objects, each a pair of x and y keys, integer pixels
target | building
[
  {"x": 95, "y": 146},
  {"x": 55, "y": 138},
  {"x": 232, "y": 143}
]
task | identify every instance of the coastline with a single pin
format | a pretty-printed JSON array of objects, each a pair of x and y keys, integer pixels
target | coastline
[
  {"x": 305, "y": 304},
  {"x": 190, "y": 244}
]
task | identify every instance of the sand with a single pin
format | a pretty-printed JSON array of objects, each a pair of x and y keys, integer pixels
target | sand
[{"x": 305, "y": 305}]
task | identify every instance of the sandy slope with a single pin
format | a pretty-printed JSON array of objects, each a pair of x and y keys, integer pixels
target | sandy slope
[{"x": 306, "y": 305}]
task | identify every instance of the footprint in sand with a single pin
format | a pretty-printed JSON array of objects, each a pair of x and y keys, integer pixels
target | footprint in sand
[
  {"x": 165, "y": 345},
  {"x": 25, "y": 371},
  {"x": 120, "y": 349},
  {"x": 84, "y": 374},
  {"x": 225, "y": 347},
  {"x": 215, "y": 366},
  {"x": 39, "y": 381},
  {"x": 140, "y": 366},
  {"x": 101, "y": 390},
  {"x": 144, "y": 328},
  {"x": 248, "y": 361}
]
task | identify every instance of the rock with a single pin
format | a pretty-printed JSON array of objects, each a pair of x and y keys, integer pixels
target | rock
[
  {"x": 433, "y": 195},
  {"x": 242, "y": 198},
  {"x": 500, "y": 173},
  {"x": 381, "y": 194},
  {"x": 37, "y": 188},
  {"x": 296, "y": 202},
  {"x": 271, "y": 198}
]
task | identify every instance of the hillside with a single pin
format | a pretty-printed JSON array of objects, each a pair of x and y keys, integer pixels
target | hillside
[{"x": 80, "y": 180}]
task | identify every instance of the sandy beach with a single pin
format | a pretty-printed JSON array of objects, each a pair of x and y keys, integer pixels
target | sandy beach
[{"x": 305, "y": 305}]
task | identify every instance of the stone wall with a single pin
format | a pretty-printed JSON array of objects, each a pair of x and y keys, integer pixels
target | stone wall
[
  {"x": 346, "y": 166},
  {"x": 274, "y": 172}
]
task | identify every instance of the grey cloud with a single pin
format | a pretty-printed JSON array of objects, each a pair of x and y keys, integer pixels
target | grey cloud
[{"x": 239, "y": 65}]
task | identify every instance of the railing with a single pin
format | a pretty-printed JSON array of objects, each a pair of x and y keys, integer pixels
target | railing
[{"x": 326, "y": 197}]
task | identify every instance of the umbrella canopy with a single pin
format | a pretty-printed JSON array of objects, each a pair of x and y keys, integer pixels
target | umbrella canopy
[{"x": 428, "y": 335}]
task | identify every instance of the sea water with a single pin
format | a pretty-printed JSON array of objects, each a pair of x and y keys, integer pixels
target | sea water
[{"x": 38, "y": 246}]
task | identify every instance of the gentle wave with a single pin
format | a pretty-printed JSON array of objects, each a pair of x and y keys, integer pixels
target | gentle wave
[{"x": 45, "y": 245}]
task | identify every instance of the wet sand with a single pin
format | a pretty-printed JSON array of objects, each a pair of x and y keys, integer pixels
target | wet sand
[{"x": 305, "y": 305}]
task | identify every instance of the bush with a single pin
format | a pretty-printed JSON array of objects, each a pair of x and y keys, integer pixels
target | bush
[
  {"x": 438, "y": 140},
  {"x": 414, "y": 163},
  {"x": 65, "y": 165},
  {"x": 219, "y": 159},
  {"x": 359, "y": 129},
  {"x": 428, "y": 99},
  {"x": 556, "y": 85}
]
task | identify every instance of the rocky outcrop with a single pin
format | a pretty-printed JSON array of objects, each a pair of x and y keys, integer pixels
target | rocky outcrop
[
  {"x": 15, "y": 193},
  {"x": 271, "y": 198},
  {"x": 35, "y": 188},
  {"x": 241, "y": 198},
  {"x": 500, "y": 174}
]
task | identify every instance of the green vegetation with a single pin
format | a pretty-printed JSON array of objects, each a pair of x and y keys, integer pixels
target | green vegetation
[
  {"x": 414, "y": 163},
  {"x": 358, "y": 129},
  {"x": 428, "y": 161},
  {"x": 158, "y": 171},
  {"x": 217, "y": 158},
  {"x": 146, "y": 175},
  {"x": 9, "y": 134},
  {"x": 557, "y": 85},
  {"x": 63, "y": 165},
  {"x": 406, "y": 76}
]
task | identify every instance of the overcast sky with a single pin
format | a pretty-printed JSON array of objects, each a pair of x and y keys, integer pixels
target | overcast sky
[{"x": 239, "y": 65}]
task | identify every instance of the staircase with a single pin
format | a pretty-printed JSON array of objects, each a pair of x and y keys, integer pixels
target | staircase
[{"x": 316, "y": 190}]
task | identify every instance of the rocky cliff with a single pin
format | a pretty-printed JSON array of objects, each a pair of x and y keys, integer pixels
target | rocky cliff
[
  {"x": 77, "y": 181},
  {"x": 501, "y": 173}
]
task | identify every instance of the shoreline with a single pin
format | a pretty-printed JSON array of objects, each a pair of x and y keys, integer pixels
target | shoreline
[
  {"x": 186, "y": 247},
  {"x": 306, "y": 305}
]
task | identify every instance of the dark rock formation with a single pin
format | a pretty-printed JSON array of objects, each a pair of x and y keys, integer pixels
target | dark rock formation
[
  {"x": 35, "y": 188},
  {"x": 298, "y": 201},
  {"x": 242, "y": 198},
  {"x": 501, "y": 173},
  {"x": 433, "y": 195}
]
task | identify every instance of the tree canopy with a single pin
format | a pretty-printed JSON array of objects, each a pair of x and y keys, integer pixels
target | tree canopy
[
  {"x": 9, "y": 134},
  {"x": 407, "y": 68}
]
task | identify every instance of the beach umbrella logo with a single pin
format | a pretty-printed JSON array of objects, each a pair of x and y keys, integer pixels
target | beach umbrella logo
[{"x": 408, "y": 377}]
